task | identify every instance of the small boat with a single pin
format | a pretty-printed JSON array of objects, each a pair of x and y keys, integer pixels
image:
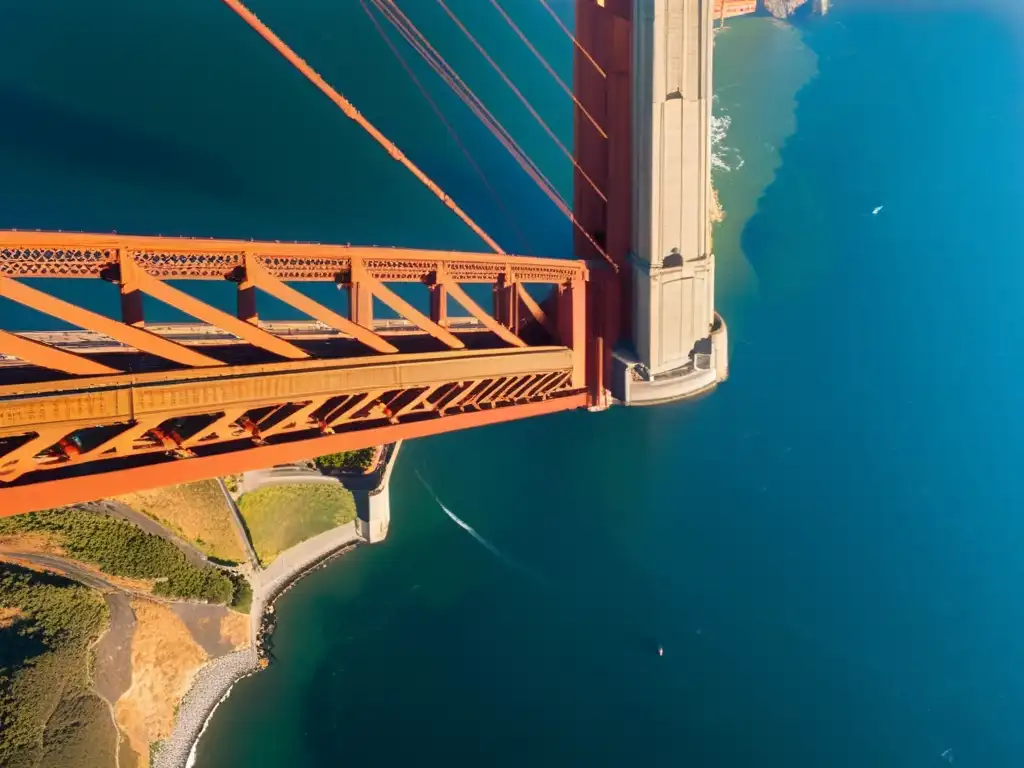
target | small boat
[
  {"x": 877, "y": 210},
  {"x": 661, "y": 651}
]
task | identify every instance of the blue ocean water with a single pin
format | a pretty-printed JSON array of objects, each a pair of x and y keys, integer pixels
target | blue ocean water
[{"x": 828, "y": 547}]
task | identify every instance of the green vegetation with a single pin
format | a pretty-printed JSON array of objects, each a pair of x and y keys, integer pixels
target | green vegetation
[
  {"x": 241, "y": 597},
  {"x": 47, "y": 714},
  {"x": 231, "y": 483},
  {"x": 281, "y": 516},
  {"x": 197, "y": 512},
  {"x": 351, "y": 461},
  {"x": 122, "y": 549}
]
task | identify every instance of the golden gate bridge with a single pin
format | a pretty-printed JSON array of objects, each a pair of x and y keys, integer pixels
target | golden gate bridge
[{"x": 121, "y": 404}]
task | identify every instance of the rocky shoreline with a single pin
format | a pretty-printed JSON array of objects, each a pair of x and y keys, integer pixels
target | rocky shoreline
[{"x": 213, "y": 683}]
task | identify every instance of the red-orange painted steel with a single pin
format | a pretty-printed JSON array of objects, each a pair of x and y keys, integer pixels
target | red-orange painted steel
[
  {"x": 121, "y": 432},
  {"x": 422, "y": 46},
  {"x": 17, "y": 499},
  {"x": 605, "y": 33}
]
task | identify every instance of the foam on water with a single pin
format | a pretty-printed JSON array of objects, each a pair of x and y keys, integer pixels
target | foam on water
[
  {"x": 190, "y": 763},
  {"x": 723, "y": 157}
]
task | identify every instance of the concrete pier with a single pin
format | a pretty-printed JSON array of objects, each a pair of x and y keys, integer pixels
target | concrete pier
[{"x": 373, "y": 502}]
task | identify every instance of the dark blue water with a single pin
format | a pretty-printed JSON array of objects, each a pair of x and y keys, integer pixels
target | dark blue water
[{"x": 828, "y": 547}]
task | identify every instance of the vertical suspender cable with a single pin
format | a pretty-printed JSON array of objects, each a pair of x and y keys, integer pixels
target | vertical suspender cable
[
  {"x": 548, "y": 67},
  {"x": 450, "y": 128},
  {"x": 521, "y": 97},
  {"x": 421, "y": 45},
  {"x": 351, "y": 112}
]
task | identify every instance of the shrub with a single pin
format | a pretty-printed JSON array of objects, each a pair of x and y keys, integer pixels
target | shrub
[
  {"x": 43, "y": 679},
  {"x": 121, "y": 549},
  {"x": 358, "y": 461}
]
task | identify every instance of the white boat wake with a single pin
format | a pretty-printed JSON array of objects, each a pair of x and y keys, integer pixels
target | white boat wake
[{"x": 483, "y": 542}]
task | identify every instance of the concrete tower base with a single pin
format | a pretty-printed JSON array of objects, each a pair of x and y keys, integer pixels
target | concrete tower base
[
  {"x": 373, "y": 507},
  {"x": 634, "y": 384}
]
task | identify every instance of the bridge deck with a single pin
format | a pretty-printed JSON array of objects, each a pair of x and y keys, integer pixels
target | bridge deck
[{"x": 121, "y": 405}]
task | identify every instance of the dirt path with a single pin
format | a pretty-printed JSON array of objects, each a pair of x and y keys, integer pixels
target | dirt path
[{"x": 66, "y": 568}]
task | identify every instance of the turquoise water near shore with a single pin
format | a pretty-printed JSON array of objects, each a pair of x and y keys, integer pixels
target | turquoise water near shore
[{"x": 828, "y": 547}]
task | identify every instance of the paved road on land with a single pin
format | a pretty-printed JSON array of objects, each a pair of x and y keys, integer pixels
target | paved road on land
[{"x": 240, "y": 527}]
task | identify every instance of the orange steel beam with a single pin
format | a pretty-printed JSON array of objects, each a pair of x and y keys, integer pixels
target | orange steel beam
[
  {"x": 200, "y": 309},
  {"x": 25, "y": 498},
  {"x": 142, "y": 265},
  {"x": 260, "y": 278},
  {"x": 70, "y": 254},
  {"x": 13, "y": 463},
  {"x": 220, "y": 427},
  {"x": 106, "y": 400},
  {"x": 456, "y": 292},
  {"x": 352, "y": 113},
  {"x": 300, "y": 419},
  {"x": 349, "y": 409},
  {"x": 83, "y": 318},
  {"x": 531, "y": 305},
  {"x": 185, "y": 433},
  {"x": 395, "y": 302},
  {"x": 419, "y": 400},
  {"x": 49, "y": 357}
]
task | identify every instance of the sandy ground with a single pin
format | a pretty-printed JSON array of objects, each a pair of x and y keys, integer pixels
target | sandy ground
[
  {"x": 196, "y": 511},
  {"x": 234, "y": 629},
  {"x": 205, "y": 622},
  {"x": 164, "y": 658},
  {"x": 152, "y": 649},
  {"x": 36, "y": 543}
]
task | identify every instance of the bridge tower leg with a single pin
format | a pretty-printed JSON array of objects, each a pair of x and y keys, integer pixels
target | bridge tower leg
[{"x": 644, "y": 70}]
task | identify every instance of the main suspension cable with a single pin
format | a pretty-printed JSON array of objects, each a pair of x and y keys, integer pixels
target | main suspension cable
[
  {"x": 521, "y": 97},
  {"x": 448, "y": 126},
  {"x": 548, "y": 67},
  {"x": 351, "y": 112}
]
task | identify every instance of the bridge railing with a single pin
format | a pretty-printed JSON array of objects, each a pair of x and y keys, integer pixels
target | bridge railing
[{"x": 120, "y": 403}]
